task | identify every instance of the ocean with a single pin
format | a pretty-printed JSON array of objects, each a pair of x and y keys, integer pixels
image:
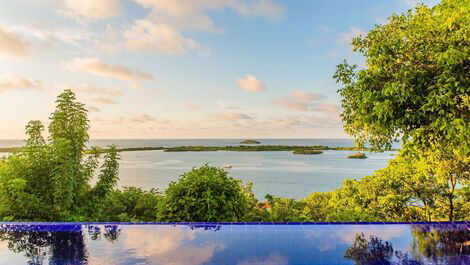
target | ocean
[{"x": 277, "y": 173}]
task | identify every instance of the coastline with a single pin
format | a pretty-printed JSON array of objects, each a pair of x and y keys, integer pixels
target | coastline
[{"x": 237, "y": 148}]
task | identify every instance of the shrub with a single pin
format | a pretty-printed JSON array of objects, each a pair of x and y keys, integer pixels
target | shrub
[
  {"x": 205, "y": 194},
  {"x": 307, "y": 152},
  {"x": 131, "y": 205},
  {"x": 358, "y": 156}
]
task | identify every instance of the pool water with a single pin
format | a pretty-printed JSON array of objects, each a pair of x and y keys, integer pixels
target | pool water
[{"x": 234, "y": 243}]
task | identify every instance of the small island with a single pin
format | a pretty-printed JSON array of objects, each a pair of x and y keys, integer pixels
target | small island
[
  {"x": 249, "y": 142},
  {"x": 307, "y": 152},
  {"x": 358, "y": 156}
]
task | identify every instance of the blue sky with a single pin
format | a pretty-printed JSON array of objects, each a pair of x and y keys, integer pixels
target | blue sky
[{"x": 183, "y": 68}]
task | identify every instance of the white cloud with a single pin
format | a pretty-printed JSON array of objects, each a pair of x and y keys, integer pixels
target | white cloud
[
  {"x": 251, "y": 84},
  {"x": 11, "y": 44},
  {"x": 191, "y": 14},
  {"x": 13, "y": 81},
  {"x": 95, "y": 66},
  {"x": 228, "y": 105},
  {"x": 93, "y": 108},
  {"x": 299, "y": 101},
  {"x": 292, "y": 104},
  {"x": 263, "y": 8},
  {"x": 90, "y": 89},
  {"x": 232, "y": 116},
  {"x": 102, "y": 99},
  {"x": 146, "y": 36},
  {"x": 90, "y": 10},
  {"x": 305, "y": 96},
  {"x": 165, "y": 245},
  {"x": 347, "y": 37},
  {"x": 93, "y": 93},
  {"x": 51, "y": 35},
  {"x": 143, "y": 118}
]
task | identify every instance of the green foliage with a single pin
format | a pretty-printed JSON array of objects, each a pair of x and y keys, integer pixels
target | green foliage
[
  {"x": 307, "y": 152},
  {"x": 358, "y": 156},
  {"x": 416, "y": 87},
  {"x": 49, "y": 181},
  {"x": 130, "y": 205},
  {"x": 205, "y": 194},
  {"x": 284, "y": 209},
  {"x": 416, "y": 82},
  {"x": 249, "y": 142}
]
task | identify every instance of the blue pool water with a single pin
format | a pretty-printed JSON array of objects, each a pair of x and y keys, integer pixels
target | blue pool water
[{"x": 238, "y": 244}]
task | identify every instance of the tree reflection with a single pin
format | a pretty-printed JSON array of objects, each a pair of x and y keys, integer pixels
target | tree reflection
[
  {"x": 368, "y": 252},
  {"x": 58, "y": 244},
  {"x": 432, "y": 244},
  {"x": 437, "y": 243}
]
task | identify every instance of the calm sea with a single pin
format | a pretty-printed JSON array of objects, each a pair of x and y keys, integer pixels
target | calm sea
[{"x": 277, "y": 173}]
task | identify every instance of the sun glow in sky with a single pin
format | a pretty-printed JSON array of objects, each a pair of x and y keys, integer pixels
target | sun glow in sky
[{"x": 183, "y": 68}]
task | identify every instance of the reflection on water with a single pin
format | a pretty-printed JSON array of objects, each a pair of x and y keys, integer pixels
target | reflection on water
[{"x": 234, "y": 244}]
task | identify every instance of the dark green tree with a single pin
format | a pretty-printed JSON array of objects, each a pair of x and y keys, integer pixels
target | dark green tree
[{"x": 205, "y": 194}]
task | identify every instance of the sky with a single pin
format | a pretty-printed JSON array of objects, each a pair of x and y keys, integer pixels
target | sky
[{"x": 151, "y": 69}]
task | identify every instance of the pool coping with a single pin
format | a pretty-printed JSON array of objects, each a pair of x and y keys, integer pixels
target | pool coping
[{"x": 238, "y": 223}]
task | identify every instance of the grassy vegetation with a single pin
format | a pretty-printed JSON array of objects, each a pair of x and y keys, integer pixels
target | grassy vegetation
[
  {"x": 358, "y": 156},
  {"x": 307, "y": 152},
  {"x": 249, "y": 142}
]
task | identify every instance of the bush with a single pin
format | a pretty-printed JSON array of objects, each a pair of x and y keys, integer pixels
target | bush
[
  {"x": 307, "y": 152},
  {"x": 205, "y": 194},
  {"x": 131, "y": 205},
  {"x": 358, "y": 156}
]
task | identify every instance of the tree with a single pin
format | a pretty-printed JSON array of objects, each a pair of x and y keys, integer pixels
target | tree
[
  {"x": 49, "y": 181},
  {"x": 205, "y": 194},
  {"x": 416, "y": 83},
  {"x": 416, "y": 87}
]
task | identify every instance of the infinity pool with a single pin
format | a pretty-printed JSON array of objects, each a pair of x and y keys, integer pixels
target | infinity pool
[{"x": 234, "y": 243}]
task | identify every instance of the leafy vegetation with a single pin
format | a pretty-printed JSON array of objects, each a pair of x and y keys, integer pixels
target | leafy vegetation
[
  {"x": 307, "y": 152},
  {"x": 49, "y": 180},
  {"x": 249, "y": 142},
  {"x": 358, "y": 156},
  {"x": 416, "y": 87},
  {"x": 205, "y": 194}
]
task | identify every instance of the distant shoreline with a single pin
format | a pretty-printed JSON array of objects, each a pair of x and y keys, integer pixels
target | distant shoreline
[{"x": 236, "y": 148}]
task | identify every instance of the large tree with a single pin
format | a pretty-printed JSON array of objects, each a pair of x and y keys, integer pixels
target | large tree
[
  {"x": 415, "y": 86},
  {"x": 49, "y": 180}
]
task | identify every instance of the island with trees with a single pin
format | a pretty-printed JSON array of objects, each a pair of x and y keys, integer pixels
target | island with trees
[
  {"x": 358, "y": 156},
  {"x": 307, "y": 152},
  {"x": 250, "y": 142}
]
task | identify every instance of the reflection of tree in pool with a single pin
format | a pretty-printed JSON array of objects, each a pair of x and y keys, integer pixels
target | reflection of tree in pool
[
  {"x": 57, "y": 246},
  {"x": 434, "y": 242},
  {"x": 368, "y": 252},
  {"x": 110, "y": 232}
]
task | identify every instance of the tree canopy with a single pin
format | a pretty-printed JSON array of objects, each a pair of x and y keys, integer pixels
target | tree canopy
[{"x": 416, "y": 82}]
